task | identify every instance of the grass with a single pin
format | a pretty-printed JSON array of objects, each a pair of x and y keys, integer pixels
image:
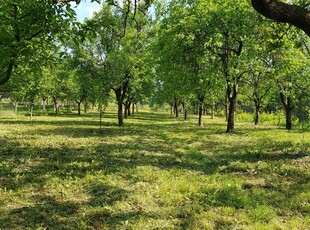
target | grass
[{"x": 156, "y": 172}]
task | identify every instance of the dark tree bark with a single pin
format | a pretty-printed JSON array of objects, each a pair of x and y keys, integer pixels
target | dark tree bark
[
  {"x": 120, "y": 94},
  {"x": 176, "y": 108},
  {"x": 283, "y": 12},
  {"x": 232, "y": 93},
  {"x": 257, "y": 113},
  {"x": 79, "y": 106},
  {"x": 184, "y": 110},
  {"x": 200, "y": 110},
  {"x": 8, "y": 73},
  {"x": 287, "y": 103}
]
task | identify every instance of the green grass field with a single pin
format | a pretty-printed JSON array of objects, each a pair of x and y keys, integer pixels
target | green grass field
[{"x": 156, "y": 172}]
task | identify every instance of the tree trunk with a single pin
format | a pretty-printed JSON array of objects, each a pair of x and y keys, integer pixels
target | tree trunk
[
  {"x": 232, "y": 99},
  {"x": 56, "y": 106},
  {"x": 44, "y": 102},
  {"x": 288, "y": 118},
  {"x": 133, "y": 108},
  {"x": 287, "y": 103},
  {"x": 125, "y": 110},
  {"x": 128, "y": 110},
  {"x": 257, "y": 116},
  {"x": 31, "y": 110},
  {"x": 119, "y": 97},
  {"x": 283, "y": 12},
  {"x": 8, "y": 72},
  {"x": 200, "y": 112},
  {"x": 120, "y": 113},
  {"x": 184, "y": 111},
  {"x": 15, "y": 106},
  {"x": 212, "y": 111},
  {"x": 176, "y": 108},
  {"x": 226, "y": 112},
  {"x": 79, "y": 107}
]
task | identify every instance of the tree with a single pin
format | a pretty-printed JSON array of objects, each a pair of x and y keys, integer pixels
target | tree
[
  {"x": 26, "y": 26},
  {"x": 183, "y": 58},
  {"x": 297, "y": 15},
  {"x": 230, "y": 42},
  {"x": 118, "y": 44}
]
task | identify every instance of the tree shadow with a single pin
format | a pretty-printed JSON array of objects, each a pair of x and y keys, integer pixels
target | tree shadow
[{"x": 150, "y": 145}]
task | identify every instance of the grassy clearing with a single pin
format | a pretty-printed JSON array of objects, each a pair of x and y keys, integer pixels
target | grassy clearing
[{"x": 157, "y": 172}]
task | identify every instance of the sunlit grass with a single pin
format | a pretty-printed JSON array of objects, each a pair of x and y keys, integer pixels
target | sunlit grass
[{"x": 156, "y": 172}]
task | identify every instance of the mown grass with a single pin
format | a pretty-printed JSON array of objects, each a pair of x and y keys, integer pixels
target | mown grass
[{"x": 156, "y": 172}]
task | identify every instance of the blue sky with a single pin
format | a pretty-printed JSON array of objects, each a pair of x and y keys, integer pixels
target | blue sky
[{"x": 86, "y": 9}]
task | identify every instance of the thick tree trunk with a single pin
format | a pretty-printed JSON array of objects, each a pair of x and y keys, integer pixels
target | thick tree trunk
[
  {"x": 85, "y": 106},
  {"x": 8, "y": 73},
  {"x": 232, "y": 99},
  {"x": 79, "y": 107},
  {"x": 283, "y": 12},
  {"x": 287, "y": 103},
  {"x": 176, "y": 108},
  {"x": 288, "y": 118},
  {"x": 257, "y": 114}
]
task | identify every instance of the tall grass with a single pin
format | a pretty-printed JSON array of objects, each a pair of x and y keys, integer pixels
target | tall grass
[{"x": 156, "y": 172}]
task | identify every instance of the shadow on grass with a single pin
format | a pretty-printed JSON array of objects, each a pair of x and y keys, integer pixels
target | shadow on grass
[{"x": 148, "y": 145}]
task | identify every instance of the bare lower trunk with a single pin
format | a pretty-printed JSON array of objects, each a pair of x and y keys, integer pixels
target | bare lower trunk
[
  {"x": 133, "y": 108},
  {"x": 232, "y": 92},
  {"x": 231, "y": 115},
  {"x": 56, "y": 106},
  {"x": 31, "y": 110},
  {"x": 176, "y": 109},
  {"x": 200, "y": 112},
  {"x": 120, "y": 113},
  {"x": 85, "y": 106},
  {"x": 287, "y": 103},
  {"x": 79, "y": 107},
  {"x": 257, "y": 114}
]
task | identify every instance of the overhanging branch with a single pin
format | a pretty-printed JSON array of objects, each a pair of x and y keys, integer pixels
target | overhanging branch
[{"x": 283, "y": 12}]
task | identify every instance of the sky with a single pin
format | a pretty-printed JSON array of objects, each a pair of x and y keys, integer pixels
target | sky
[{"x": 86, "y": 9}]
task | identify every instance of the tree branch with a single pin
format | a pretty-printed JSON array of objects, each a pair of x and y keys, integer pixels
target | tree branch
[{"x": 283, "y": 12}]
